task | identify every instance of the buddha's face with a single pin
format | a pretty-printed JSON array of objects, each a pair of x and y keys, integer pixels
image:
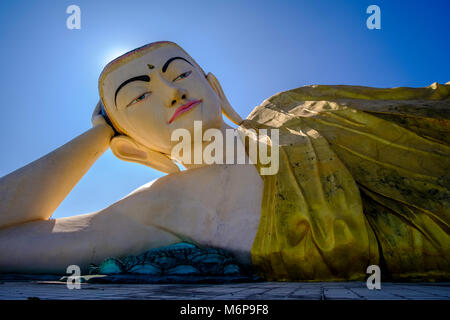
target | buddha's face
[{"x": 150, "y": 94}]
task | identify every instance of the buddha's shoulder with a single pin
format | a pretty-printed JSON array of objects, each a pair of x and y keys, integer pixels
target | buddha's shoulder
[
  {"x": 310, "y": 100},
  {"x": 201, "y": 181},
  {"x": 435, "y": 91}
]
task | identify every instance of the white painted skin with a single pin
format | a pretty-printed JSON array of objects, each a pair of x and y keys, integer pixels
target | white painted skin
[{"x": 211, "y": 205}]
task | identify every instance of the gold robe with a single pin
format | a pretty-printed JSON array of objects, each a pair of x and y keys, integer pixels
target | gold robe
[{"x": 364, "y": 178}]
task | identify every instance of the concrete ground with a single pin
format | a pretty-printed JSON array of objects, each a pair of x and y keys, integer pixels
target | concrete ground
[{"x": 18, "y": 290}]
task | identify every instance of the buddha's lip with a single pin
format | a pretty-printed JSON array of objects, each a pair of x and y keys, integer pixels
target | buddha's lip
[{"x": 185, "y": 107}]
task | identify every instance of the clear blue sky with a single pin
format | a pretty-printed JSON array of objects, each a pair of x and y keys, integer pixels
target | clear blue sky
[{"x": 49, "y": 74}]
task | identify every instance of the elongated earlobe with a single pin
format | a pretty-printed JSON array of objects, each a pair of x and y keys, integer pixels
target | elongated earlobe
[
  {"x": 231, "y": 114},
  {"x": 225, "y": 105},
  {"x": 127, "y": 149}
]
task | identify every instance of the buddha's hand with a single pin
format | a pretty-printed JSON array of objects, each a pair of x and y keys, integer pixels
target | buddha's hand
[{"x": 97, "y": 118}]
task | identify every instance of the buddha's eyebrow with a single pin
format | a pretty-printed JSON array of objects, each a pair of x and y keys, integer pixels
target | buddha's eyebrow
[
  {"x": 164, "y": 68},
  {"x": 138, "y": 78}
]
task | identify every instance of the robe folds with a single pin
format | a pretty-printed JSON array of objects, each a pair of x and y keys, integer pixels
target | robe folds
[{"x": 363, "y": 179}]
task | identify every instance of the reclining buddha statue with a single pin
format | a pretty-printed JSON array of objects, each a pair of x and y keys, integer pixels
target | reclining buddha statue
[{"x": 363, "y": 179}]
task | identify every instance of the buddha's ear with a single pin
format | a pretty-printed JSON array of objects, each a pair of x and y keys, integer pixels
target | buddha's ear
[
  {"x": 127, "y": 149},
  {"x": 227, "y": 109}
]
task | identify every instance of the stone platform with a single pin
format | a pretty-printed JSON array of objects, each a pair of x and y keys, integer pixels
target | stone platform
[{"x": 12, "y": 289}]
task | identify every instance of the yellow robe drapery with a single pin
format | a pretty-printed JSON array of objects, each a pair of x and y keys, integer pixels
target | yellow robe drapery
[{"x": 364, "y": 178}]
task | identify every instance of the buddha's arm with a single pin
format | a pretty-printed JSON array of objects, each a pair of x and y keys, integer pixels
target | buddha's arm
[
  {"x": 33, "y": 192},
  {"x": 50, "y": 246},
  {"x": 206, "y": 205}
]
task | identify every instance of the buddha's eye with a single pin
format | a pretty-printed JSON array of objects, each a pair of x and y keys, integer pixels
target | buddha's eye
[
  {"x": 140, "y": 98},
  {"x": 182, "y": 76}
]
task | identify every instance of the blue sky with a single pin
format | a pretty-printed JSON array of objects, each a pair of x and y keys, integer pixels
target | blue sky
[{"x": 255, "y": 48}]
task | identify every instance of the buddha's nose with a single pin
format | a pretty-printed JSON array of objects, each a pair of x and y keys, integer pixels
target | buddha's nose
[{"x": 178, "y": 96}]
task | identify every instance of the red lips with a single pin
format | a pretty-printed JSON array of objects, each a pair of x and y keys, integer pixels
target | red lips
[{"x": 184, "y": 108}]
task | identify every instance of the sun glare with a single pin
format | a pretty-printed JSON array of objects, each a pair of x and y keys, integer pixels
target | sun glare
[{"x": 111, "y": 55}]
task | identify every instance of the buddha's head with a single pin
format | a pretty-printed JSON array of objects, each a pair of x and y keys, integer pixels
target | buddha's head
[{"x": 153, "y": 90}]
